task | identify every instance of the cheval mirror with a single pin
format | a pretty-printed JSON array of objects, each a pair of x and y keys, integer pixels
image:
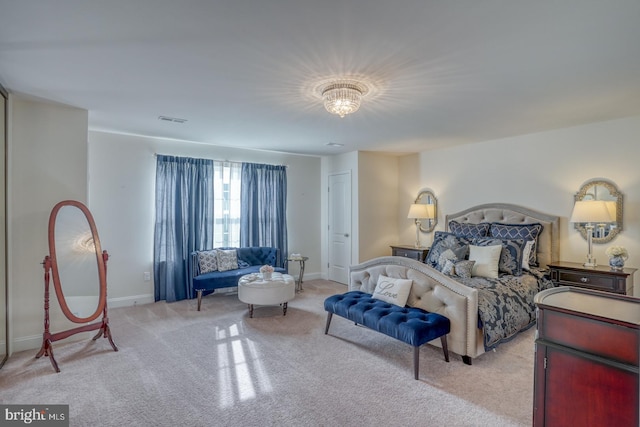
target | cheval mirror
[{"x": 78, "y": 267}]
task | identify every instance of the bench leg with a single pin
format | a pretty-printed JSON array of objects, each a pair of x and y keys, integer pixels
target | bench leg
[
  {"x": 199, "y": 292},
  {"x": 416, "y": 356},
  {"x": 326, "y": 329},
  {"x": 445, "y": 349}
]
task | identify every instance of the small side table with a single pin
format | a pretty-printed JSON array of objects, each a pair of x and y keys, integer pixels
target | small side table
[
  {"x": 418, "y": 254},
  {"x": 300, "y": 260},
  {"x": 600, "y": 278}
]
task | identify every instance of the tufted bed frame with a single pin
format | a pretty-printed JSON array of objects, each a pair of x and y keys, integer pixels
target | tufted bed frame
[{"x": 436, "y": 292}]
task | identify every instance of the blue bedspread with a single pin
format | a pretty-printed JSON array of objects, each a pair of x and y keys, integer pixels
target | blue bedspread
[{"x": 505, "y": 304}]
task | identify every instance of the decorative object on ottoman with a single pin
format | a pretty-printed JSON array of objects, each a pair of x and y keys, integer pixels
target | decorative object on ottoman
[
  {"x": 254, "y": 290},
  {"x": 266, "y": 271},
  {"x": 617, "y": 256}
]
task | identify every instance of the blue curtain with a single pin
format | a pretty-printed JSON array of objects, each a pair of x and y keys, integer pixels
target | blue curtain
[
  {"x": 263, "y": 221},
  {"x": 184, "y": 222}
]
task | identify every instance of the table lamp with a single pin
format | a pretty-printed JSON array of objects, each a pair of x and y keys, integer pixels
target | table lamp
[
  {"x": 590, "y": 212},
  {"x": 418, "y": 211}
]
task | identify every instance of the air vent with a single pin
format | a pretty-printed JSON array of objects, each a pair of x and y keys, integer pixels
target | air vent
[{"x": 171, "y": 119}]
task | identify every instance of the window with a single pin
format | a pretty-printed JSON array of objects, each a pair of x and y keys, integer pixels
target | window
[{"x": 226, "y": 204}]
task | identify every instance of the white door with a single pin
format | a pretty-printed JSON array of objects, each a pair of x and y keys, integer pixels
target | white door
[{"x": 339, "y": 227}]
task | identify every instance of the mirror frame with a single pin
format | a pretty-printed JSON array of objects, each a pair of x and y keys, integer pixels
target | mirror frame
[
  {"x": 430, "y": 224},
  {"x": 50, "y": 266},
  {"x": 102, "y": 275},
  {"x": 613, "y": 190}
]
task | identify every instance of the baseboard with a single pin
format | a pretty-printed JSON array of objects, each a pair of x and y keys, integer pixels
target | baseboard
[
  {"x": 30, "y": 342},
  {"x": 311, "y": 276},
  {"x": 130, "y": 300}
]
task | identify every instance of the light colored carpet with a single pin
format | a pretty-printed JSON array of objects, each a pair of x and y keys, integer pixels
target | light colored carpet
[{"x": 218, "y": 367}]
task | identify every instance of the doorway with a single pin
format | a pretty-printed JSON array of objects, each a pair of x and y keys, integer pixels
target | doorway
[{"x": 339, "y": 220}]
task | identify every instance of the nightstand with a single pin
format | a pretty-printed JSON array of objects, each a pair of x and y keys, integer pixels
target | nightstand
[
  {"x": 600, "y": 278},
  {"x": 418, "y": 254}
]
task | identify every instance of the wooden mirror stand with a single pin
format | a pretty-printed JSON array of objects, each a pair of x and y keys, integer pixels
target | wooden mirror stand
[{"x": 52, "y": 268}]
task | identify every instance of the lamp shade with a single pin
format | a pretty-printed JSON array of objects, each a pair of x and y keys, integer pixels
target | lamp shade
[
  {"x": 591, "y": 211},
  {"x": 419, "y": 210}
]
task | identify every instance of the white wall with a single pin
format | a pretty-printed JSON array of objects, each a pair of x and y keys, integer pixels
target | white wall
[
  {"x": 121, "y": 198},
  {"x": 47, "y": 164},
  {"x": 374, "y": 196},
  {"x": 541, "y": 171},
  {"x": 377, "y": 204}
]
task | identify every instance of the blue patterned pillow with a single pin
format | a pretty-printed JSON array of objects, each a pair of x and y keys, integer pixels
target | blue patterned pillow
[
  {"x": 469, "y": 230},
  {"x": 510, "y": 256},
  {"x": 446, "y": 246},
  {"x": 519, "y": 231}
]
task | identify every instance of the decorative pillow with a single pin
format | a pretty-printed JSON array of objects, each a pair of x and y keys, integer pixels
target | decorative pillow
[
  {"x": 526, "y": 254},
  {"x": 243, "y": 264},
  {"x": 469, "y": 230},
  {"x": 393, "y": 291},
  {"x": 486, "y": 260},
  {"x": 461, "y": 268},
  {"x": 510, "y": 256},
  {"x": 227, "y": 259},
  {"x": 208, "y": 261},
  {"x": 453, "y": 255},
  {"x": 519, "y": 231},
  {"x": 443, "y": 242}
]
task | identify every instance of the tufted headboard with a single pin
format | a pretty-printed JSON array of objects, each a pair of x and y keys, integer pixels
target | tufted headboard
[{"x": 513, "y": 214}]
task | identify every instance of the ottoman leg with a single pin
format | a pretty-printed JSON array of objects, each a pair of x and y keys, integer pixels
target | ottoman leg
[
  {"x": 250, "y": 310},
  {"x": 416, "y": 362},
  {"x": 284, "y": 309}
]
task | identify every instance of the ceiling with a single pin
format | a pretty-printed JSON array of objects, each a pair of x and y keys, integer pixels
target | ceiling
[{"x": 243, "y": 73}]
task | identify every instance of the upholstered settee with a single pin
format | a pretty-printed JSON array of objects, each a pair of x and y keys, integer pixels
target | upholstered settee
[
  {"x": 433, "y": 292},
  {"x": 222, "y": 267}
]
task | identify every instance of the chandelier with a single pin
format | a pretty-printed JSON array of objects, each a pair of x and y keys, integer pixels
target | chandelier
[{"x": 343, "y": 97}]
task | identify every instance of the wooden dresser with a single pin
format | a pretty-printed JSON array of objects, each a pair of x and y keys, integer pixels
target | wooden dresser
[
  {"x": 586, "y": 359},
  {"x": 601, "y": 277},
  {"x": 410, "y": 252}
]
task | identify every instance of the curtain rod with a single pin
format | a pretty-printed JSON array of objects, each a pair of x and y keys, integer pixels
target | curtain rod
[{"x": 217, "y": 160}]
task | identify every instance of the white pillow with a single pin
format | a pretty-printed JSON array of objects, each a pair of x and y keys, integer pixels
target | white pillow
[
  {"x": 393, "y": 291},
  {"x": 486, "y": 258},
  {"x": 526, "y": 253},
  {"x": 227, "y": 259}
]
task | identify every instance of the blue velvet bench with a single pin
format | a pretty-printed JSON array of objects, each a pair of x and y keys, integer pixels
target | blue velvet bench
[{"x": 411, "y": 325}]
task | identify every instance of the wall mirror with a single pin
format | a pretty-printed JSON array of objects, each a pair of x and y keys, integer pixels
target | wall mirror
[
  {"x": 78, "y": 267},
  {"x": 426, "y": 197},
  {"x": 601, "y": 189}
]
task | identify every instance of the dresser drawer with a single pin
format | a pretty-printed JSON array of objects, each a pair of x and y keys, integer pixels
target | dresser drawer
[
  {"x": 592, "y": 336},
  {"x": 594, "y": 281}
]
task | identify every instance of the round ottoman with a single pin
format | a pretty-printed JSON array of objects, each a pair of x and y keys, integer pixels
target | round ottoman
[{"x": 254, "y": 290}]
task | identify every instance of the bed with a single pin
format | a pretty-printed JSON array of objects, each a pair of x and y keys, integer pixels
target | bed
[{"x": 484, "y": 312}]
